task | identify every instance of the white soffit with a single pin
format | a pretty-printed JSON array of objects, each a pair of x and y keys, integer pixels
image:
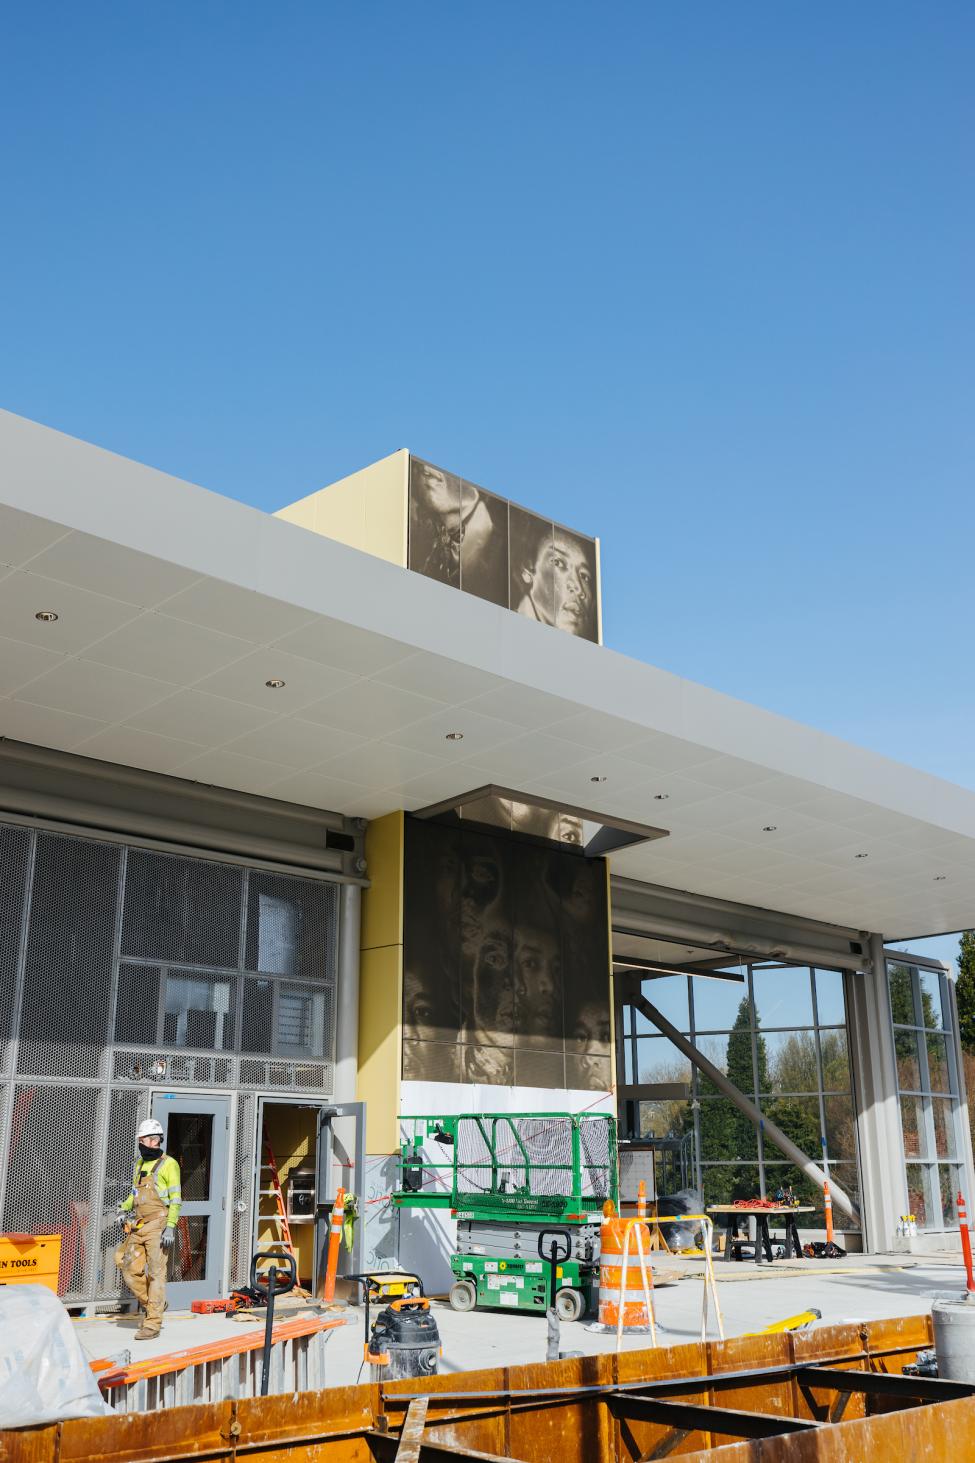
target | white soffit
[{"x": 176, "y": 606}]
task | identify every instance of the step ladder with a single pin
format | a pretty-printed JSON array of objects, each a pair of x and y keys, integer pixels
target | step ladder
[{"x": 275, "y": 1191}]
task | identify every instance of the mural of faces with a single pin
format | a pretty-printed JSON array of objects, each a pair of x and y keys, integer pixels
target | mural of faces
[
  {"x": 506, "y": 961},
  {"x": 483, "y": 544}
]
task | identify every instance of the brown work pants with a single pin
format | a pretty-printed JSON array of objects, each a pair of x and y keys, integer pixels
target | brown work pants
[{"x": 142, "y": 1262}]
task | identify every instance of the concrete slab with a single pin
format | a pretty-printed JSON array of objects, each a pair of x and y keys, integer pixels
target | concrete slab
[{"x": 752, "y": 1297}]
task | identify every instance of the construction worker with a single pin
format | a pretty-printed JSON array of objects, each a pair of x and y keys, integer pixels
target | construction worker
[{"x": 149, "y": 1218}]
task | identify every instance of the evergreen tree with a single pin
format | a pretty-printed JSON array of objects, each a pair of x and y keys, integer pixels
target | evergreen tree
[{"x": 965, "y": 991}]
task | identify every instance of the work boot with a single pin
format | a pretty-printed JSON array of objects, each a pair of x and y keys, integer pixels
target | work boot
[{"x": 146, "y": 1332}]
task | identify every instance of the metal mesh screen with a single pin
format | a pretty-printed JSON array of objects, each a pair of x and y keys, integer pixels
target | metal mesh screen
[
  {"x": 242, "y": 1168},
  {"x": 183, "y": 910},
  {"x": 49, "y": 1176},
  {"x": 137, "y": 1004},
  {"x": 127, "y": 1107},
  {"x": 288, "y": 924},
  {"x": 14, "y": 857},
  {"x": 594, "y": 1145},
  {"x": 548, "y": 1143},
  {"x": 64, "y": 1020}
]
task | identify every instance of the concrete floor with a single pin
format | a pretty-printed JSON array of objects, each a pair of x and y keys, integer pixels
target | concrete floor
[{"x": 859, "y": 1289}]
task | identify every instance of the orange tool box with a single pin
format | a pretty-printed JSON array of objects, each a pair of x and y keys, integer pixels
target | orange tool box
[{"x": 30, "y": 1259}]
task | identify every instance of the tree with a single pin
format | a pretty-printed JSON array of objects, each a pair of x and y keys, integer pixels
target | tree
[{"x": 965, "y": 991}]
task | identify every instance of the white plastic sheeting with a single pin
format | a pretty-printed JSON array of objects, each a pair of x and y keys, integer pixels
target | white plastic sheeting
[{"x": 44, "y": 1374}]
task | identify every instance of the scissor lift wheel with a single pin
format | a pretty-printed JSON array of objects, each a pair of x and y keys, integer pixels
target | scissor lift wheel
[{"x": 463, "y": 1296}]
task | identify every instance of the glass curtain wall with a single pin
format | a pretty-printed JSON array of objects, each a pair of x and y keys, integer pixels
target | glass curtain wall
[
  {"x": 928, "y": 1091},
  {"x": 779, "y": 1033}
]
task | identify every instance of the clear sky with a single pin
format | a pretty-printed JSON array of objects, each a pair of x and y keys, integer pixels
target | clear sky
[{"x": 696, "y": 278}]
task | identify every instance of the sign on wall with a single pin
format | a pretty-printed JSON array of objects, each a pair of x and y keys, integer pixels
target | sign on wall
[
  {"x": 506, "y": 961},
  {"x": 478, "y": 542}
]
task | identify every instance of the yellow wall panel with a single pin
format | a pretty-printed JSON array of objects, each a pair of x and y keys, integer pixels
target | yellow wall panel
[
  {"x": 366, "y": 510},
  {"x": 382, "y": 902},
  {"x": 380, "y": 1044}
]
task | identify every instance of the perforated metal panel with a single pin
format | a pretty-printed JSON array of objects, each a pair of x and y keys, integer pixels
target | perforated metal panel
[
  {"x": 127, "y": 1108},
  {"x": 14, "y": 857},
  {"x": 594, "y": 1143},
  {"x": 49, "y": 1177},
  {"x": 64, "y": 1020},
  {"x": 243, "y": 1170},
  {"x": 146, "y": 970},
  {"x": 182, "y": 910}
]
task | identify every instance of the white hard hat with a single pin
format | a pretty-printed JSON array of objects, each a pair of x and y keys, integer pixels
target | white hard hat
[{"x": 149, "y": 1129}]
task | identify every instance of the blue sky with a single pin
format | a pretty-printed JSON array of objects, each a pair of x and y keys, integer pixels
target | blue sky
[{"x": 694, "y": 278}]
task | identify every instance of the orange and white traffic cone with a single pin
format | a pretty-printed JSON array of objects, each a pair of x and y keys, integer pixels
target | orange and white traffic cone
[
  {"x": 625, "y": 1277},
  {"x": 641, "y": 1199},
  {"x": 334, "y": 1240},
  {"x": 828, "y": 1207},
  {"x": 966, "y": 1244}
]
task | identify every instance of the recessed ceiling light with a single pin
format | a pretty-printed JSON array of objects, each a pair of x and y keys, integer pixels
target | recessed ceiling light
[
  {"x": 939, "y": 877},
  {"x": 861, "y": 855},
  {"x": 455, "y": 736},
  {"x": 770, "y": 828},
  {"x": 274, "y": 684},
  {"x": 661, "y": 797},
  {"x": 597, "y": 778},
  {"x": 46, "y": 617}
]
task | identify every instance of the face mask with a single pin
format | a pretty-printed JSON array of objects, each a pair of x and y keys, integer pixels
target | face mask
[{"x": 148, "y": 1152}]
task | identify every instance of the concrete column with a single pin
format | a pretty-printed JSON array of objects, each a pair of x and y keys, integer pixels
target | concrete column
[
  {"x": 347, "y": 994},
  {"x": 882, "y": 1175}
]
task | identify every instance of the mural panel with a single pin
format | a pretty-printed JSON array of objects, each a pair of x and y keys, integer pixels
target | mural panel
[{"x": 506, "y": 965}]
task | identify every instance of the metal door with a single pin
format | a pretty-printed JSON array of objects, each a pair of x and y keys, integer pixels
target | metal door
[
  {"x": 340, "y": 1158},
  {"x": 195, "y": 1133}
]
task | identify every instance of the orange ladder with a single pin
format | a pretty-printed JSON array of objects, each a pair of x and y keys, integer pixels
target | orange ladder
[{"x": 281, "y": 1218}]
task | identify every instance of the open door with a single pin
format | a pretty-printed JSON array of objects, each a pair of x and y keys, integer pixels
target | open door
[
  {"x": 340, "y": 1162},
  {"x": 195, "y": 1132}
]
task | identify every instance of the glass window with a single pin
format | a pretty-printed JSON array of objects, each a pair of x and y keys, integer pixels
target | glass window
[
  {"x": 669, "y": 994},
  {"x": 724, "y": 1183},
  {"x": 830, "y": 1003},
  {"x": 949, "y": 1184},
  {"x": 908, "y": 1061},
  {"x": 943, "y": 1118},
  {"x": 658, "y": 1060},
  {"x": 665, "y": 1120},
  {"x": 901, "y": 994},
  {"x": 783, "y": 996},
  {"x": 730, "y": 1052},
  {"x": 720, "y": 1004},
  {"x": 787, "y": 1062},
  {"x": 921, "y": 1199},
  {"x": 181, "y": 909},
  {"x": 726, "y": 1134},
  {"x": 835, "y": 1054},
  {"x": 840, "y": 1128},
  {"x": 798, "y": 1117},
  {"x": 930, "y": 988},
  {"x": 913, "y": 1127},
  {"x": 845, "y": 1174},
  {"x": 199, "y": 1011},
  {"x": 938, "y": 1074}
]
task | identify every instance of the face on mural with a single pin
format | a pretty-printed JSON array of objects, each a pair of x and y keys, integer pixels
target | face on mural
[
  {"x": 590, "y": 1033},
  {"x": 480, "y": 890},
  {"x": 538, "y": 981},
  {"x": 493, "y": 986},
  {"x": 559, "y": 583}
]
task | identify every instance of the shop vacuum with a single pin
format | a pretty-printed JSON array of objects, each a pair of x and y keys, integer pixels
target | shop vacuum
[{"x": 404, "y": 1341}]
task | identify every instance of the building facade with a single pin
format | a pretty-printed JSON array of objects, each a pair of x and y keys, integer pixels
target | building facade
[{"x": 314, "y": 822}]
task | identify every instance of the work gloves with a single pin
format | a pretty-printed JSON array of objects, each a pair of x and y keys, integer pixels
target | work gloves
[{"x": 168, "y": 1239}]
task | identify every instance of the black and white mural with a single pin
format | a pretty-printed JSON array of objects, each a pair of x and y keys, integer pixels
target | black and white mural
[
  {"x": 506, "y": 961},
  {"x": 478, "y": 542}
]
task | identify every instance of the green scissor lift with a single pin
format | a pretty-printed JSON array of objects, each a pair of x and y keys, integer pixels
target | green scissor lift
[{"x": 511, "y": 1180}]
